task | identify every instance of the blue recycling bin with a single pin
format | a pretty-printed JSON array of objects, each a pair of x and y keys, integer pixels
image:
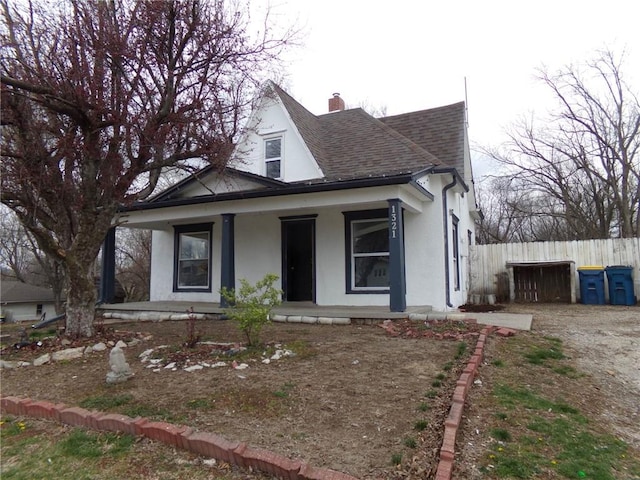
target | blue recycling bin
[
  {"x": 620, "y": 278},
  {"x": 591, "y": 285}
]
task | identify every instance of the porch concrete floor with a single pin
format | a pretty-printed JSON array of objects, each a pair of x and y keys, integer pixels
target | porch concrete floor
[
  {"x": 287, "y": 308},
  {"x": 518, "y": 321}
]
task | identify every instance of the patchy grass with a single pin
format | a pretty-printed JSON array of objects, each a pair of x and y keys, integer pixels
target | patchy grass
[
  {"x": 538, "y": 428},
  {"x": 33, "y": 449}
]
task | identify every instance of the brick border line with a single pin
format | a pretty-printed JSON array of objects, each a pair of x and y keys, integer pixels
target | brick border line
[
  {"x": 185, "y": 438},
  {"x": 463, "y": 385}
]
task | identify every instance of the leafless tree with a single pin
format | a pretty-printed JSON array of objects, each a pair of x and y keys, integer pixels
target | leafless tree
[
  {"x": 133, "y": 263},
  {"x": 578, "y": 173},
  {"x": 20, "y": 258},
  {"x": 99, "y": 97}
]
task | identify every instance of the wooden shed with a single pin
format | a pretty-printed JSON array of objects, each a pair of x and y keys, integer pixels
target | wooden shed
[{"x": 545, "y": 281}]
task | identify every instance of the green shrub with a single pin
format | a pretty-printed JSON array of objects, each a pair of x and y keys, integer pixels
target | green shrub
[{"x": 251, "y": 305}]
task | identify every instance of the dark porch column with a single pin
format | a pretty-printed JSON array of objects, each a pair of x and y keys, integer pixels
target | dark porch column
[
  {"x": 397, "y": 280},
  {"x": 108, "y": 274},
  {"x": 227, "y": 262}
]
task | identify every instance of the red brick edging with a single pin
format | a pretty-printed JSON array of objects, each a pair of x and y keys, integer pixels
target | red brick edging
[
  {"x": 202, "y": 443},
  {"x": 452, "y": 423}
]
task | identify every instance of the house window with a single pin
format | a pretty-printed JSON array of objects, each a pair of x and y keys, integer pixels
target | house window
[
  {"x": 367, "y": 251},
  {"x": 192, "y": 270},
  {"x": 273, "y": 156},
  {"x": 456, "y": 252},
  {"x": 39, "y": 309}
]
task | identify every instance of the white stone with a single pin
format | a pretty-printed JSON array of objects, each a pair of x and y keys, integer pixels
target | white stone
[
  {"x": 155, "y": 361},
  {"x": 99, "y": 347},
  {"x": 294, "y": 319},
  {"x": 133, "y": 342},
  {"x": 193, "y": 368},
  {"x": 42, "y": 359},
  {"x": 219, "y": 364},
  {"x": 121, "y": 344},
  {"x": 342, "y": 321},
  {"x": 169, "y": 366},
  {"x": 278, "y": 318},
  {"x": 6, "y": 364},
  {"x": 67, "y": 354},
  {"x": 266, "y": 361},
  {"x": 241, "y": 366},
  {"x": 23, "y": 364},
  {"x": 306, "y": 319},
  {"x": 88, "y": 350},
  {"x": 325, "y": 320},
  {"x": 145, "y": 354}
]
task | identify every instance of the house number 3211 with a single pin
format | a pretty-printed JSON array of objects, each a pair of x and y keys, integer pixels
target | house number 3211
[{"x": 394, "y": 222}]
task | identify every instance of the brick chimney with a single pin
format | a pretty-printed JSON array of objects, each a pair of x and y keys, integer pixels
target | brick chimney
[{"x": 336, "y": 104}]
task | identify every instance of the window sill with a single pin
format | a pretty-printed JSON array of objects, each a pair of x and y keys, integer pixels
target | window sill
[{"x": 367, "y": 292}]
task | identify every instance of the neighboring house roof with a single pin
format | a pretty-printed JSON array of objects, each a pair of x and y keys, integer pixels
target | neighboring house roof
[{"x": 18, "y": 292}]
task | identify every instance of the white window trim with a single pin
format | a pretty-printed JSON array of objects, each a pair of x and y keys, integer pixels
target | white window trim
[
  {"x": 362, "y": 255},
  {"x": 265, "y": 139}
]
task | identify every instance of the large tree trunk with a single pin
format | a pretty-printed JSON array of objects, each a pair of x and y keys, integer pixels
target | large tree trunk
[{"x": 81, "y": 303}]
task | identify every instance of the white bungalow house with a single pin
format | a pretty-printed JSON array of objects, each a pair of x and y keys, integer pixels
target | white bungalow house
[
  {"x": 23, "y": 302},
  {"x": 348, "y": 209}
]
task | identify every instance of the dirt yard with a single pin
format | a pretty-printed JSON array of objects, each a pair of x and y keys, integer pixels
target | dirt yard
[{"x": 350, "y": 398}]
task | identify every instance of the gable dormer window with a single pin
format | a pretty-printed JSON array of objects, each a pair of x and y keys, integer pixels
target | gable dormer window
[{"x": 273, "y": 157}]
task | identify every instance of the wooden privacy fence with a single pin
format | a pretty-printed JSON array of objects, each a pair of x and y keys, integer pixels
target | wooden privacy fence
[{"x": 490, "y": 273}]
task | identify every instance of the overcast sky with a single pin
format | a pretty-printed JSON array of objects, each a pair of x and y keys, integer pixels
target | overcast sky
[{"x": 408, "y": 55}]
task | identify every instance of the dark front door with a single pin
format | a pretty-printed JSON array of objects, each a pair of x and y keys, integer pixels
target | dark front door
[{"x": 298, "y": 272}]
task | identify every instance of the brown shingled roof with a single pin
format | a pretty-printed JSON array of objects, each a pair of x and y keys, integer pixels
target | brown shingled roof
[
  {"x": 438, "y": 130},
  {"x": 353, "y": 144}
]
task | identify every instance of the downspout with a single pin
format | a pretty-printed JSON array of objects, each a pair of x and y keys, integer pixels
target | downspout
[{"x": 445, "y": 222}]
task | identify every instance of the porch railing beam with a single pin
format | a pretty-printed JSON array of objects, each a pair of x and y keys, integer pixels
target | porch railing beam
[{"x": 397, "y": 278}]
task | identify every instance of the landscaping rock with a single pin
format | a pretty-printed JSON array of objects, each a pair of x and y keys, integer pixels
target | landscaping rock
[
  {"x": 67, "y": 354},
  {"x": 42, "y": 359},
  {"x": 99, "y": 347}
]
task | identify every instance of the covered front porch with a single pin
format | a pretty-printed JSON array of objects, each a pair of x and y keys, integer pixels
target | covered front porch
[{"x": 305, "y": 312}]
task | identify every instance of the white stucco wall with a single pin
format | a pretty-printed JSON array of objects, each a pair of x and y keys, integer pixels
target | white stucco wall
[
  {"x": 296, "y": 164},
  {"x": 162, "y": 266},
  {"x": 258, "y": 248}
]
